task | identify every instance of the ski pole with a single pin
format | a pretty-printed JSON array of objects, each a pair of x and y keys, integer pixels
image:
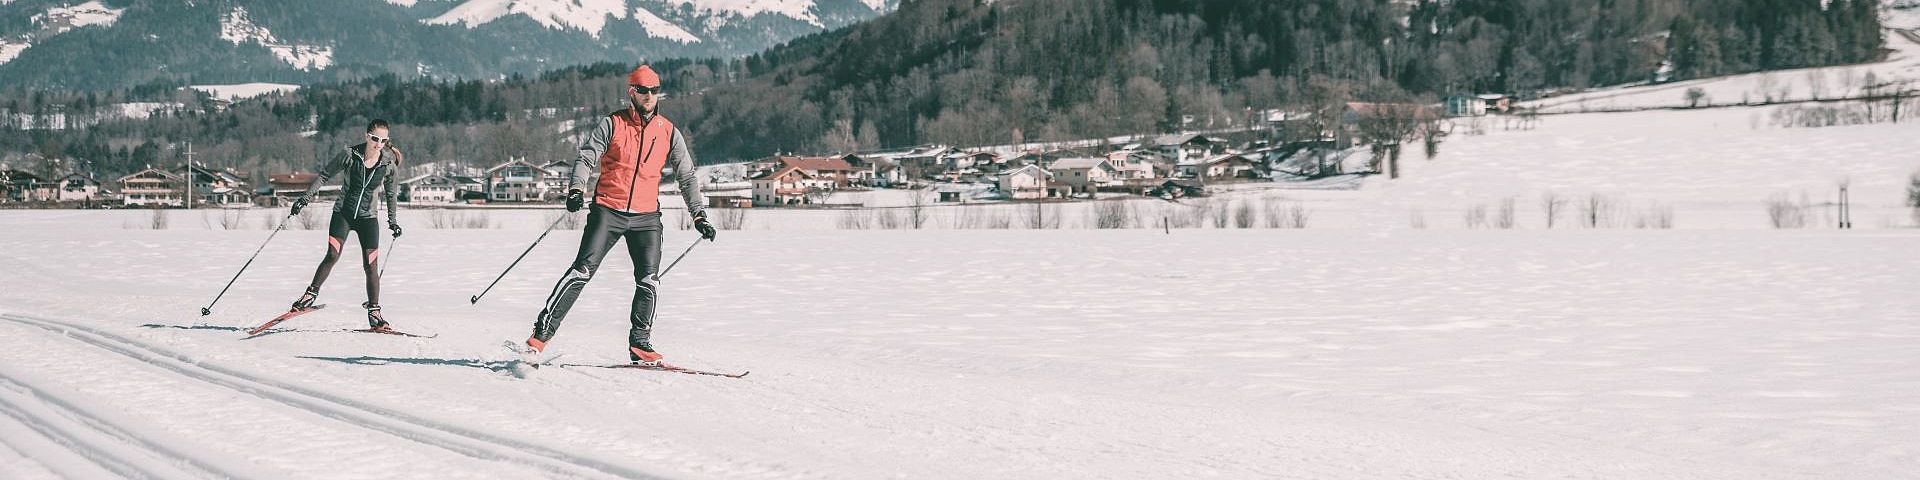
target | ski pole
[
  {"x": 390, "y": 248},
  {"x": 208, "y": 310},
  {"x": 516, "y": 261},
  {"x": 676, "y": 260}
]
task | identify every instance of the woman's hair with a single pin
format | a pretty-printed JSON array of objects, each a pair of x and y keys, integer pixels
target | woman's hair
[{"x": 377, "y": 123}]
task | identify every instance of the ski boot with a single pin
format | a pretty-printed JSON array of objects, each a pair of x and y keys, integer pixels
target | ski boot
[
  {"x": 306, "y": 300},
  {"x": 375, "y": 321},
  {"x": 643, "y": 354}
]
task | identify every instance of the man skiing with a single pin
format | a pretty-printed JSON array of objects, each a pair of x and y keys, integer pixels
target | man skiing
[
  {"x": 365, "y": 164},
  {"x": 627, "y": 151}
]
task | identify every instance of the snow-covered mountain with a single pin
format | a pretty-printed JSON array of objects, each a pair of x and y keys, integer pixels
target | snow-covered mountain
[{"x": 116, "y": 43}]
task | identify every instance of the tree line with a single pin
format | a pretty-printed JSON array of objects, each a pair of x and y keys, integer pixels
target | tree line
[{"x": 973, "y": 72}]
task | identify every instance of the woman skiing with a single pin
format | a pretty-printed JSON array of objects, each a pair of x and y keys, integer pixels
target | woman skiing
[{"x": 365, "y": 165}]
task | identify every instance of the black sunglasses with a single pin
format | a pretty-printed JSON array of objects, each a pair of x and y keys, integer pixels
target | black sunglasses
[
  {"x": 377, "y": 138},
  {"x": 645, "y": 90}
]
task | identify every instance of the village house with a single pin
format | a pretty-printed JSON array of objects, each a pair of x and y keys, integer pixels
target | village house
[
  {"x": 1220, "y": 167},
  {"x": 866, "y": 168},
  {"x": 1029, "y": 182},
  {"x": 287, "y": 187},
  {"x": 1083, "y": 174},
  {"x": 1133, "y": 164},
  {"x": 517, "y": 180},
  {"x": 23, "y": 186},
  {"x": 80, "y": 188},
  {"x": 557, "y": 177},
  {"x": 216, "y": 187},
  {"x": 440, "y": 188},
  {"x": 787, "y": 186},
  {"x": 1183, "y": 148},
  {"x": 151, "y": 186},
  {"x": 835, "y": 171},
  {"x": 924, "y": 162}
]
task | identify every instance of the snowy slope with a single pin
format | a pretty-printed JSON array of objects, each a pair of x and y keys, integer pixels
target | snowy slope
[
  {"x": 1776, "y": 86},
  {"x": 244, "y": 90},
  {"x": 932, "y": 354},
  {"x": 237, "y": 28},
  {"x": 58, "y": 20},
  {"x": 588, "y": 16}
]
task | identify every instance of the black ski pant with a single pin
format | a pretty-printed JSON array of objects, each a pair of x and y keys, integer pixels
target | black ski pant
[
  {"x": 605, "y": 226},
  {"x": 368, "y": 229}
]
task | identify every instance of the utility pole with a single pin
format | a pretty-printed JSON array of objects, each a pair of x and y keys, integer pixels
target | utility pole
[{"x": 189, "y": 177}]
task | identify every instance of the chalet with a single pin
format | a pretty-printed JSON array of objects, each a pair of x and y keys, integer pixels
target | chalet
[
  {"x": 517, "y": 180},
  {"x": 152, "y": 186},
  {"x": 1182, "y": 148}
]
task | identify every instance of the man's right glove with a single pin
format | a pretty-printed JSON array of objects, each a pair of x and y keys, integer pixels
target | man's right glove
[
  {"x": 575, "y": 200},
  {"x": 299, "y": 204},
  {"x": 706, "y": 229}
]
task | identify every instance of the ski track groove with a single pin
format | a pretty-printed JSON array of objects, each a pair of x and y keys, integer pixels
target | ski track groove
[
  {"x": 471, "y": 443},
  {"x": 73, "y": 437}
]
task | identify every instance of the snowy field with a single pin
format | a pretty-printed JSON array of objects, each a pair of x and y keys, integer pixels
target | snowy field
[
  {"x": 1390, "y": 338},
  {"x": 979, "y": 354}
]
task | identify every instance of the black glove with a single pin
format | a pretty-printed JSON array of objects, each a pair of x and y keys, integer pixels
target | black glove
[
  {"x": 706, "y": 229},
  {"x": 395, "y": 227},
  {"x": 575, "y": 200},
  {"x": 299, "y": 204}
]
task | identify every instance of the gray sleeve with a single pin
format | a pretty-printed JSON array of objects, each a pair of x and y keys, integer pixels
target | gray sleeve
[
  {"x": 392, "y": 192},
  {"x": 687, "y": 174},
  {"x": 591, "y": 148},
  {"x": 334, "y": 164}
]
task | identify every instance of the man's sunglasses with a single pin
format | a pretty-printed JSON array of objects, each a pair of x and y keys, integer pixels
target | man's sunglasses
[
  {"x": 377, "y": 138},
  {"x": 643, "y": 90}
]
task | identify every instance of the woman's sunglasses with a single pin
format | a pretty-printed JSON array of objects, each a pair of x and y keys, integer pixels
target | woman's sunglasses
[{"x": 377, "y": 138}]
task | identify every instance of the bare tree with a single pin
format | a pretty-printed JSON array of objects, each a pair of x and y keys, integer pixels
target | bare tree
[
  {"x": 1783, "y": 212},
  {"x": 1476, "y": 217},
  {"x": 1596, "y": 211},
  {"x": 1552, "y": 204},
  {"x": 1913, "y": 197},
  {"x": 1504, "y": 219},
  {"x": 1385, "y": 126},
  {"x": 817, "y": 195},
  {"x": 917, "y": 201},
  {"x": 1111, "y": 214}
]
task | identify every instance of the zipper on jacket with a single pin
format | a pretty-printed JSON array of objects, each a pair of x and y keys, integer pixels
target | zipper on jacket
[{"x": 637, "y": 162}]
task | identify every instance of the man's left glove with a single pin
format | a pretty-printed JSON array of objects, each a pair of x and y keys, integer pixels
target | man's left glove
[
  {"x": 395, "y": 227},
  {"x": 706, "y": 229},
  {"x": 576, "y": 200}
]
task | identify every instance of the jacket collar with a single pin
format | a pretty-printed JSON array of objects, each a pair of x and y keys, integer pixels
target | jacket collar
[
  {"x": 632, "y": 119},
  {"x": 385, "y": 156}
]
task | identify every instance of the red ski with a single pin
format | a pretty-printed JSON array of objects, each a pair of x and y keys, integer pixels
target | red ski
[{"x": 284, "y": 317}]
